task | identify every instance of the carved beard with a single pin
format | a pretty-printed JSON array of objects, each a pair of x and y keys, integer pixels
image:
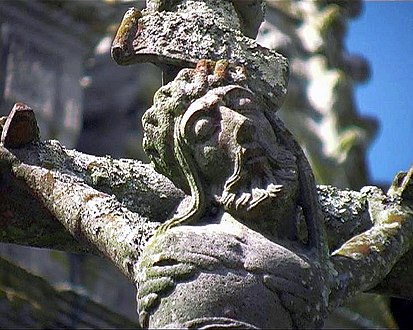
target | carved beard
[{"x": 263, "y": 189}]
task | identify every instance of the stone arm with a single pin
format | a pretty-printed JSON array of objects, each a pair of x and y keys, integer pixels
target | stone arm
[
  {"x": 111, "y": 207},
  {"x": 361, "y": 263}
]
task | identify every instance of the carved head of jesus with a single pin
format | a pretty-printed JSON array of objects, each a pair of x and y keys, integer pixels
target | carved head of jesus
[{"x": 211, "y": 137}]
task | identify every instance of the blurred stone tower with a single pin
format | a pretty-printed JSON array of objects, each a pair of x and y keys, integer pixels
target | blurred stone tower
[{"x": 319, "y": 108}]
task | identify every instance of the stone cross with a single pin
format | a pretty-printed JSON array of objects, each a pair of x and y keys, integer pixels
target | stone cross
[{"x": 232, "y": 231}]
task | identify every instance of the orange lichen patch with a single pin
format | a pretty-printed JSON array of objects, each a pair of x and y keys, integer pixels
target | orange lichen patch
[
  {"x": 220, "y": 69},
  {"x": 110, "y": 217},
  {"x": 122, "y": 50},
  {"x": 88, "y": 197},
  {"x": 395, "y": 218},
  {"x": 205, "y": 66},
  {"x": 363, "y": 248},
  {"x": 357, "y": 245},
  {"x": 48, "y": 181},
  {"x": 92, "y": 165}
]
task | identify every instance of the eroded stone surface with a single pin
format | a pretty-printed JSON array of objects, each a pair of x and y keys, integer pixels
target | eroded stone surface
[{"x": 20, "y": 127}]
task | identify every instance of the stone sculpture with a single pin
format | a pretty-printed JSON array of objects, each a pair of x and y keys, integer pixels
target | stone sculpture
[
  {"x": 250, "y": 249},
  {"x": 253, "y": 243}
]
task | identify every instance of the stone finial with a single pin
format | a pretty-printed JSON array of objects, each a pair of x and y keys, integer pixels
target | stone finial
[
  {"x": 168, "y": 39},
  {"x": 20, "y": 127}
]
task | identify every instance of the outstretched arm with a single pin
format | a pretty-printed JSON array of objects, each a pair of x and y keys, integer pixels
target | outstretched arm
[
  {"x": 362, "y": 262},
  {"x": 47, "y": 191},
  {"x": 111, "y": 206}
]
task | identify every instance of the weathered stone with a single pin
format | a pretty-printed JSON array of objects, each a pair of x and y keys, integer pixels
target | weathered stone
[
  {"x": 319, "y": 108},
  {"x": 169, "y": 40},
  {"x": 250, "y": 213},
  {"x": 20, "y": 127},
  {"x": 252, "y": 224}
]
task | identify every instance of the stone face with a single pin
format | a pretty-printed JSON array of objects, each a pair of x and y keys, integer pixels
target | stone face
[
  {"x": 250, "y": 186},
  {"x": 203, "y": 133}
]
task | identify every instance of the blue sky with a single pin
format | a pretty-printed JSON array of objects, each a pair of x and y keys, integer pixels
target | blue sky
[{"x": 383, "y": 33}]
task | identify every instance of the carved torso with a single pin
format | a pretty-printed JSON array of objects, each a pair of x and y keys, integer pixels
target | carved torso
[{"x": 191, "y": 267}]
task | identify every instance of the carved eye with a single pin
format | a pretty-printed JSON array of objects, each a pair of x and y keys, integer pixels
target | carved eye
[{"x": 204, "y": 128}]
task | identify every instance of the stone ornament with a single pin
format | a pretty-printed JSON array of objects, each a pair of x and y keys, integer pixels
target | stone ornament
[
  {"x": 167, "y": 39},
  {"x": 249, "y": 248},
  {"x": 232, "y": 232},
  {"x": 20, "y": 127}
]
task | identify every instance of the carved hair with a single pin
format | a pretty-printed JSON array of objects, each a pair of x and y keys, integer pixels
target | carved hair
[{"x": 164, "y": 140}]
